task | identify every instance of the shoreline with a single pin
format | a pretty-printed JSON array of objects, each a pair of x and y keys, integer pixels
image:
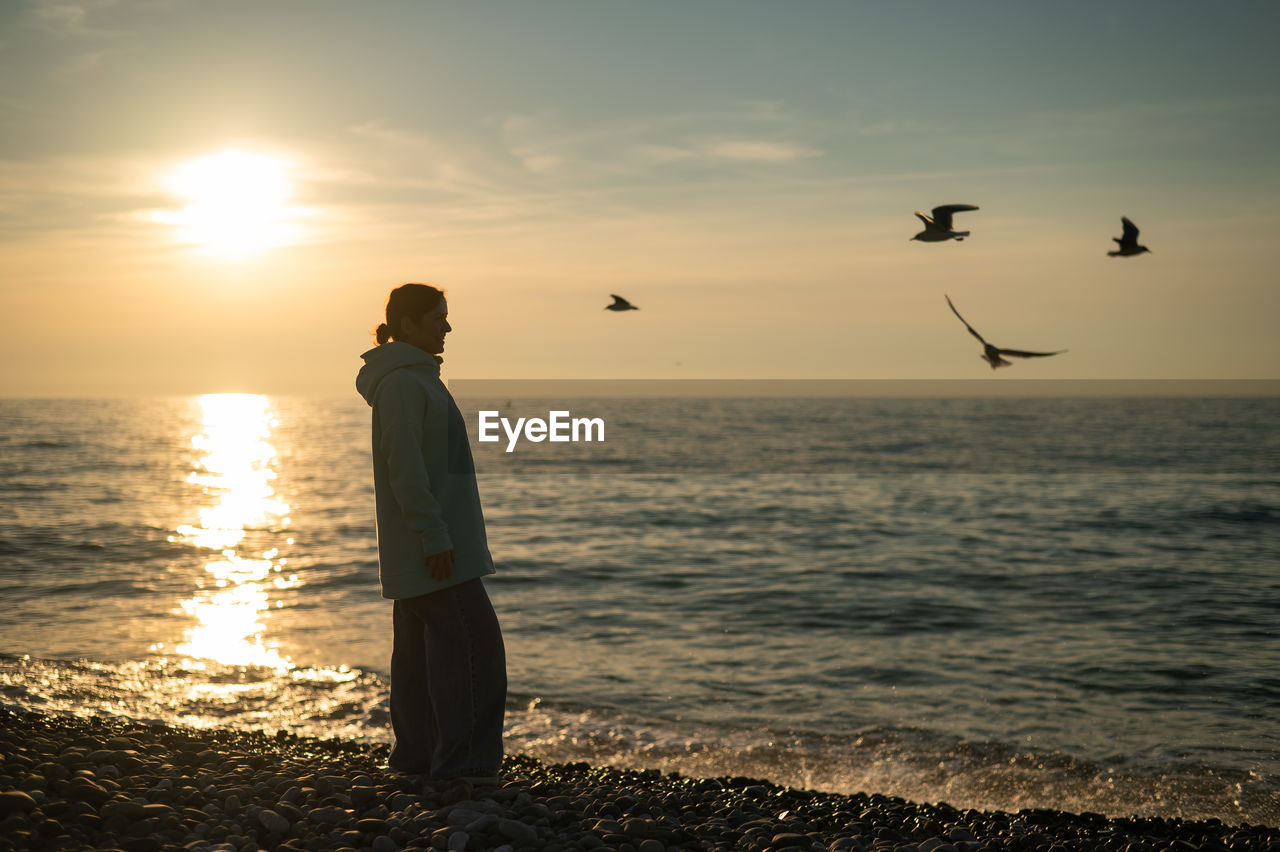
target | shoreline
[{"x": 111, "y": 783}]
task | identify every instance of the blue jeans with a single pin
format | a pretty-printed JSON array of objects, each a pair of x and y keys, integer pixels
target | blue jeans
[{"x": 448, "y": 683}]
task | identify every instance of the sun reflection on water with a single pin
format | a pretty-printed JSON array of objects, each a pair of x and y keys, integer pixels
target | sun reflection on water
[{"x": 232, "y": 602}]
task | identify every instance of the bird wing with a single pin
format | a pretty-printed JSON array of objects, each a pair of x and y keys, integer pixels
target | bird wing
[
  {"x": 928, "y": 223},
  {"x": 942, "y": 213},
  {"x": 618, "y": 300},
  {"x": 1130, "y": 231},
  {"x": 966, "y": 325},
  {"x": 1019, "y": 353}
]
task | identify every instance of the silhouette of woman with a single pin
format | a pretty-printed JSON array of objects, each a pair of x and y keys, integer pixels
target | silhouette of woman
[{"x": 448, "y": 662}]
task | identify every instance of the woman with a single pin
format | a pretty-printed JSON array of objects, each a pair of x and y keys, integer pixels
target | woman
[{"x": 448, "y": 664}]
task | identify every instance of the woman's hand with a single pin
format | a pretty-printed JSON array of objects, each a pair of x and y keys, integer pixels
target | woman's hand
[{"x": 440, "y": 565}]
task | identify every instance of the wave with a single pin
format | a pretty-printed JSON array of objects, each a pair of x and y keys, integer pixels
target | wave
[
  {"x": 913, "y": 763},
  {"x": 1247, "y": 514}
]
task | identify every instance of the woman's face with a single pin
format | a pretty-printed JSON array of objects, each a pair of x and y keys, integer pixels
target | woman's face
[{"x": 427, "y": 331}]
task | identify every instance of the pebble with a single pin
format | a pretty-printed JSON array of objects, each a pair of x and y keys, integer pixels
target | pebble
[
  {"x": 463, "y": 816},
  {"x": 518, "y": 831},
  {"x": 70, "y": 783},
  {"x": 273, "y": 821},
  {"x": 16, "y": 801}
]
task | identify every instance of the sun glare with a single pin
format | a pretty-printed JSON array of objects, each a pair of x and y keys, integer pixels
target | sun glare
[
  {"x": 236, "y": 203},
  {"x": 233, "y": 600}
]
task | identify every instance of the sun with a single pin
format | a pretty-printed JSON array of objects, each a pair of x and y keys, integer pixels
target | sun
[{"x": 237, "y": 203}]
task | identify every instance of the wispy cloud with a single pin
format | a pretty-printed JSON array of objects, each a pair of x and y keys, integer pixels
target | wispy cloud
[
  {"x": 734, "y": 151},
  {"x": 85, "y": 36},
  {"x": 423, "y": 161},
  {"x": 65, "y": 197},
  {"x": 394, "y": 182},
  {"x": 547, "y": 167},
  {"x": 76, "y": 198},
  {"x": 63, "y": 18},
  {"x": 753, "y": 133}
]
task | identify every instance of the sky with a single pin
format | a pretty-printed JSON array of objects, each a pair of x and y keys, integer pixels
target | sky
[{"x": 201, "y": 197}]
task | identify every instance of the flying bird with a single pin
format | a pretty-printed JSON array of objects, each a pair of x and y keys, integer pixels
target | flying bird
[
  {"x": 938, "y": 226},
  {"x": 620, "y": 304},
  {"x": 1128, "y": 241},
  {"x": 992, "y": 354}
]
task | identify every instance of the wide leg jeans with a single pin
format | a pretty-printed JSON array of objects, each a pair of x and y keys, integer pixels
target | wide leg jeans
[{"x": 448, "y": 683}]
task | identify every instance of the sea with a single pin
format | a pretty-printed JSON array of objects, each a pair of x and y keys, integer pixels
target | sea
[{"x": 994, "y": 601}]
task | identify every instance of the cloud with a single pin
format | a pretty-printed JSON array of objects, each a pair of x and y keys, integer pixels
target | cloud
[
  {"x": 409, "y": 158},
  {"x": 753, "y": 133},
  {"x": 399, "y": 182},
  {"x": 518, "y": 169},
  {"x": 94, "y": 19},
  {"x": 379, "y": 131},
  {"x": 728, "y": 151},
  {"x": 65, "y": 199},
  {"x": 59, "y": 17},
  {"x": 87, "y": 36},
  {"x": 757, "y": 151}
]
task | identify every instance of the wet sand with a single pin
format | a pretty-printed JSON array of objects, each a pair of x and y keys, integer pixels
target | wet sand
[{"x": 71, "y": 783}]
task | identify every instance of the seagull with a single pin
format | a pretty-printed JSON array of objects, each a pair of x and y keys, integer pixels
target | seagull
[
  {"x": 1128, "y": 242},
  {"x": 991, "y": 354},
  {"x": 620, "y": 304},
  {"x": 938, "y": 227}
]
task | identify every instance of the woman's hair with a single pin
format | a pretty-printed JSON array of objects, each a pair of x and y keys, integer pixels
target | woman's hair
[{"x": 407, "y": 300}]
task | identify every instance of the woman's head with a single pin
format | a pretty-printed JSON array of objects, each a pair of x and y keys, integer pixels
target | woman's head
[{"x": 416, "y": 314}]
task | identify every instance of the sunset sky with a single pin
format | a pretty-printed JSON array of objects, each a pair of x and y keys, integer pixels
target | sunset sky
[{"x": 217, "y": 196}]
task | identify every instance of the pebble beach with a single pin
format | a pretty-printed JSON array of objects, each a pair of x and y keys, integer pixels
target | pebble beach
[{"x": 110, "y": 783}]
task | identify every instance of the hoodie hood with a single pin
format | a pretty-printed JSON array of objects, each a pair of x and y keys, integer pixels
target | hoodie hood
[{"x": 380, "y": 361}]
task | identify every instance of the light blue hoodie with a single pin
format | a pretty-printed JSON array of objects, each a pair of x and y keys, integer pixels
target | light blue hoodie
[{"x": 423, "y": 475}]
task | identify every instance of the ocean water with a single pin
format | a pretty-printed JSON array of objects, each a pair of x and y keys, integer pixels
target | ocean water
[{"x": 997, "y": 603}]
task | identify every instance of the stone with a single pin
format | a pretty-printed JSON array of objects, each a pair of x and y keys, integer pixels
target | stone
[
  {"x": 481, "y": 825},
  {"x": 140, "y": 844},
  {"x": 288, "y": 811},
  {"x": 86, "y": 790},
  {"x": 273, "y": 822},
  {"x": 384, "y": 844},
  {"x": 463, "y": 816},
  {"x": 16, "y": 801},
  {"x": 458, "y": 841},
  {"x": 402, "y": 801},
  {"x": 514, "y": 830},
  {"x": 329, "y": 815},
  {"x": 129, "y": 809}
]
